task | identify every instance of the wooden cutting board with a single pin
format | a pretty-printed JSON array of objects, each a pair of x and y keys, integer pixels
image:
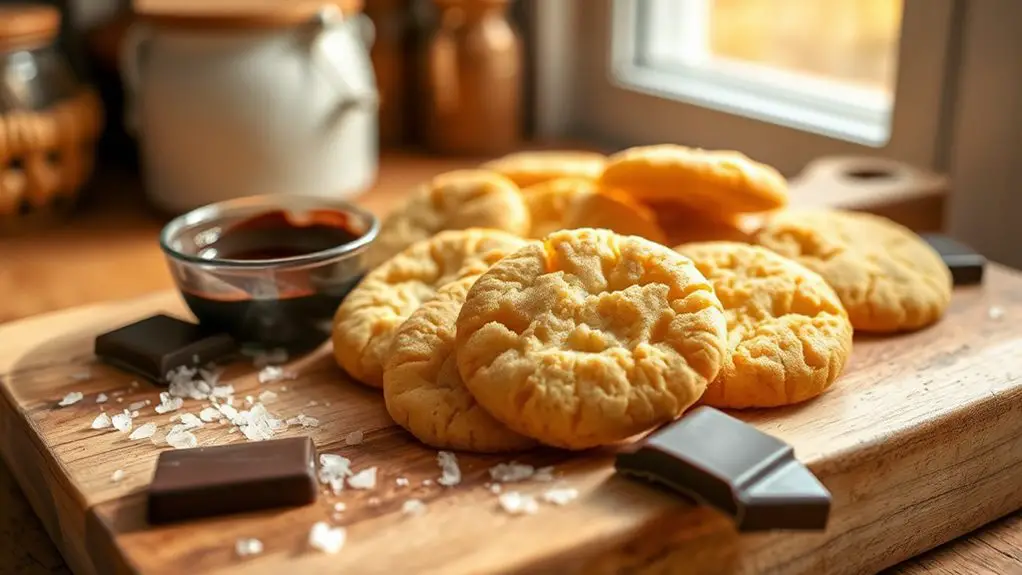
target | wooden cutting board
[{"x": 919, "y": 442}]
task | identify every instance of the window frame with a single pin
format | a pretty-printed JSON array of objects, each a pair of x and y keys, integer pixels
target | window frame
[{"x": 618, "y": 110}]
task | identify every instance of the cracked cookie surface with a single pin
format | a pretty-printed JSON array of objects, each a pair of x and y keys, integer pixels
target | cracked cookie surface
[
  {"x": 423, "y": 390},
  {"x": 531, "y": 168},
  {"x": 717, "y": 181},
  {"x": 366, "y": 321},
  {"x": 455, "y": 200},
  {"x": 570, "y": 203},
  {"x": 589, "y": 338},
  {"x": 887, "y": 277},
  {"x": 789, "y": 337}
]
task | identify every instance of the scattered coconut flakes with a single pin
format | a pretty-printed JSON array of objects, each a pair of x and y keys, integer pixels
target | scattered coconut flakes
[
  {"x": 544, "y": 474},
  {"x": 210, "y": 375},
  {"x": 516, "y": 503},
  {"x": 303, "y": 420},
  {"x": 249, "y": 400},
  {"x": 102, "y": 421},
  {"x": 228, "y": 411},
  {"x": 427, "y": 482},
  {"x": 168, "y": 403},
  {"x": 181, "y": 439},
  {"x": 118, "y": 393},
  {"x": 560, "y": 496},
  {"x": 134, "y": 414},
  {"x": 267, "y": 396},
  {"x": 136, "y": 405},
  {"x": 183, "y": 383},
  {"x": 81, "y": 376},
  {"x": 327, "y": 539},
  {"x": 257, "y": 424},
  {"x": 413, "y": 507},
  {"x": 270, "y": 373},
  {"x": 117, "y": 476},
  {"x": 247, "y": 547},
  {"x": 70, "y": 399},
  {"x": 495, "y": 488},
  {"x": 101, "y": 398},
  {"x": 995, "y": 312},
  {"x": 221, "y": 391},
  {"x": 365, "y": 479},
  {"x": 354, "y": 438},
  {"x": 122, "y": 421},
  {"x": 511, "y": 472},
  {"x": 210, "y": 414},
  {"x": 401, "y": 481},
  {"x": 450, "y": 473},
  {"x": 333, "y": 469},
  {"x": 269, "y": 357},
  {"x": 189, "y": 421},
  {"x": 143, "y": 431},
  {"x": 338, "y": 507}
]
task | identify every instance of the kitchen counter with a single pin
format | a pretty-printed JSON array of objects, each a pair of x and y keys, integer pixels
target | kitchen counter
[{"x": 109, "y": 251}]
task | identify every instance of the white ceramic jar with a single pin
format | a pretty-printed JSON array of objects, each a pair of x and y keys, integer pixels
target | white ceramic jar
[{"x": 237, "y": 105}]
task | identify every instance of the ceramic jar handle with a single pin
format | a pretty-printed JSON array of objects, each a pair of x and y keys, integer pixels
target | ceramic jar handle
[
  {"x": 131, "y": 56},
  {"x": 330, "y": 19}
]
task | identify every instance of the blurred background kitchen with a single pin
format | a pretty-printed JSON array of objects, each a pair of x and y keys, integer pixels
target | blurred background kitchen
[{"x": 115, "y": 115}]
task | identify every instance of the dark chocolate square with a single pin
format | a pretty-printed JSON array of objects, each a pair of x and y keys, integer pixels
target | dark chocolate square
[
  {"x": 966, "y": 264},
  {"x": 159, "y": 344},
  {"x": 236, "y": 478}
]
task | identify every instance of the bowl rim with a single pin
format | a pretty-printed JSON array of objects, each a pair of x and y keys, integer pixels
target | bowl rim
[{"x": 213, "y": 211}]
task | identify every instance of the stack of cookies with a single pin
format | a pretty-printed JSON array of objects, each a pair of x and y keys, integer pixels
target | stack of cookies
[{"x": 534, "y": 300}]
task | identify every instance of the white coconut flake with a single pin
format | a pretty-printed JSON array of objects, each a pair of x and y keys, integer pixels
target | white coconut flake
[
  {"x": 81, "y": 376},
  {"x": 339, "y": 507},
  {"x": 101, "y": 398},
  {"x": 427, "y": 482},
  {"x": 134, "y": 414},
  {"x": 515, "y": 503},
  {"x": 102, "y": 421},
  {"x": 248, "y": 547},
  {"x": 354, "y": 438},
  {"x": 401, "y": 482},
  {"x": 135, "y": 406},
  {"x": 413, "y": 507},
  {"x": 995, "y": 312},
  {"x": 168, "y": 403},
  {"x": 120, "y": 400},
  {"x": 267, "y": 396},
  {"x": 221, "y": 391},
  {"x": 365, "y": 479},
  {"x": 189, "y": 421},
  {"x": 511, "y": 472},
  {"x": 327, "y": 539},
  {"x": 71, "y": 399},
  {"x": 122, "y": 421},
  {"x": 333, "y": 470},
  {"x": 117, "y": 476},
  {"x": 560, "y": 496},
  {"x": 210, "y": 414},
  {"x": 143, "y": 431},
  {"x": 303, "y": 420},
  {"x": 544, "y": 474},
  {"x": 181, "y": 439},
  {"x": 496, "y": 488},
  {"x": 270, "y": 373},
  {"x": 229, "y": 412},
  {"x": 258, "y": 424},
  {"x": 450, "y": 473}
]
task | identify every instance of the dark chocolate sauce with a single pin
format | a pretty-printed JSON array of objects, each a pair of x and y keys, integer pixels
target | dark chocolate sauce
[{"x": 291, "y": 307}]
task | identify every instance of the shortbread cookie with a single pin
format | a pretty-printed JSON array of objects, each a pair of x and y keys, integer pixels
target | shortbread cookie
[
  {"x": 682, "y": 224},
  {"x": 531, "y": 168},
  {"x": 365, "y": 323},
  {"x": 569, "y": 203},
  {"x": 887, "y": 277},
  {"x": 715, "y": 181},
  {"x": 452, "y": 201},
  {"x": 589, "y": 338},
  {"x": 423, "y": 390},
  {"x": 788, "y": 335}
]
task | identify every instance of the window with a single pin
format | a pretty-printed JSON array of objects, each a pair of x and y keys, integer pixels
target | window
[{"x": 785, "y": 81}]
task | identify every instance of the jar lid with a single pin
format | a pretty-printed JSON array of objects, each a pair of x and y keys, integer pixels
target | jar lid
[
  {"x": 27, "y": 25},
  {"x": 237, "y": 14}
]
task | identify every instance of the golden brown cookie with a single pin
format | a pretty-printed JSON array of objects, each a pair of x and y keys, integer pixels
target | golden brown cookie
[
  {"x": 366, "y": 321},
  {"x": 715, "y": 181},
  {"x": 788, "y": 335},
  {"x": 589, "y": 338},
  {"x": 531, "y": 168},
  {"x": 887, "y": 277},
  {"x": 423, "y": 390},
  {"x": 682, "y": 224},
  {"x": 569, "y": 203},
  {"x": 452, "y": 201}
]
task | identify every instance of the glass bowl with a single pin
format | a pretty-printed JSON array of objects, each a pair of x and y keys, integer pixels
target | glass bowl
[{"x": 269, "y": 270}]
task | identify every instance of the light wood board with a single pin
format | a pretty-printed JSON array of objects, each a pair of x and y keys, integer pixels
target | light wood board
[{"x": 919, "y": 442}]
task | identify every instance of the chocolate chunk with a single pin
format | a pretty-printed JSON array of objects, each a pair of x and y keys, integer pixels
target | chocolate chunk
[
  {"x": 157, "y": 345},
  {"x": 210, "y": 481},
  {"x": 729, "y": 464},
  {"x": 965, "y": 264}
]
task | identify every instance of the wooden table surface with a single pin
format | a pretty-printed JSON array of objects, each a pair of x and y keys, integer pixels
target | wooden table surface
[{"x": 109, "y": 251}]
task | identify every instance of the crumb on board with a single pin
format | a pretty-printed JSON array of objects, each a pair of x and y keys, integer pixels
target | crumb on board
[
  {"x": 327, "y": 539},
  {"x": 413, "y": 507},
  {"x": 365, "y": 479},
  {"x": 117, "y": 476},
  {"x": 560, "y": 496},
  {"x": 354, "y": 438},
  {"x": 70, "y": 399},
  {"x": 143, "y": 432},
  {"x": 102, "y": 421},
  {"x": 450, "y": 473},
  {"x": 102, "y": 398},
  {"x": 515, "y": 503},
  {"x": 248, "y": 546}
]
